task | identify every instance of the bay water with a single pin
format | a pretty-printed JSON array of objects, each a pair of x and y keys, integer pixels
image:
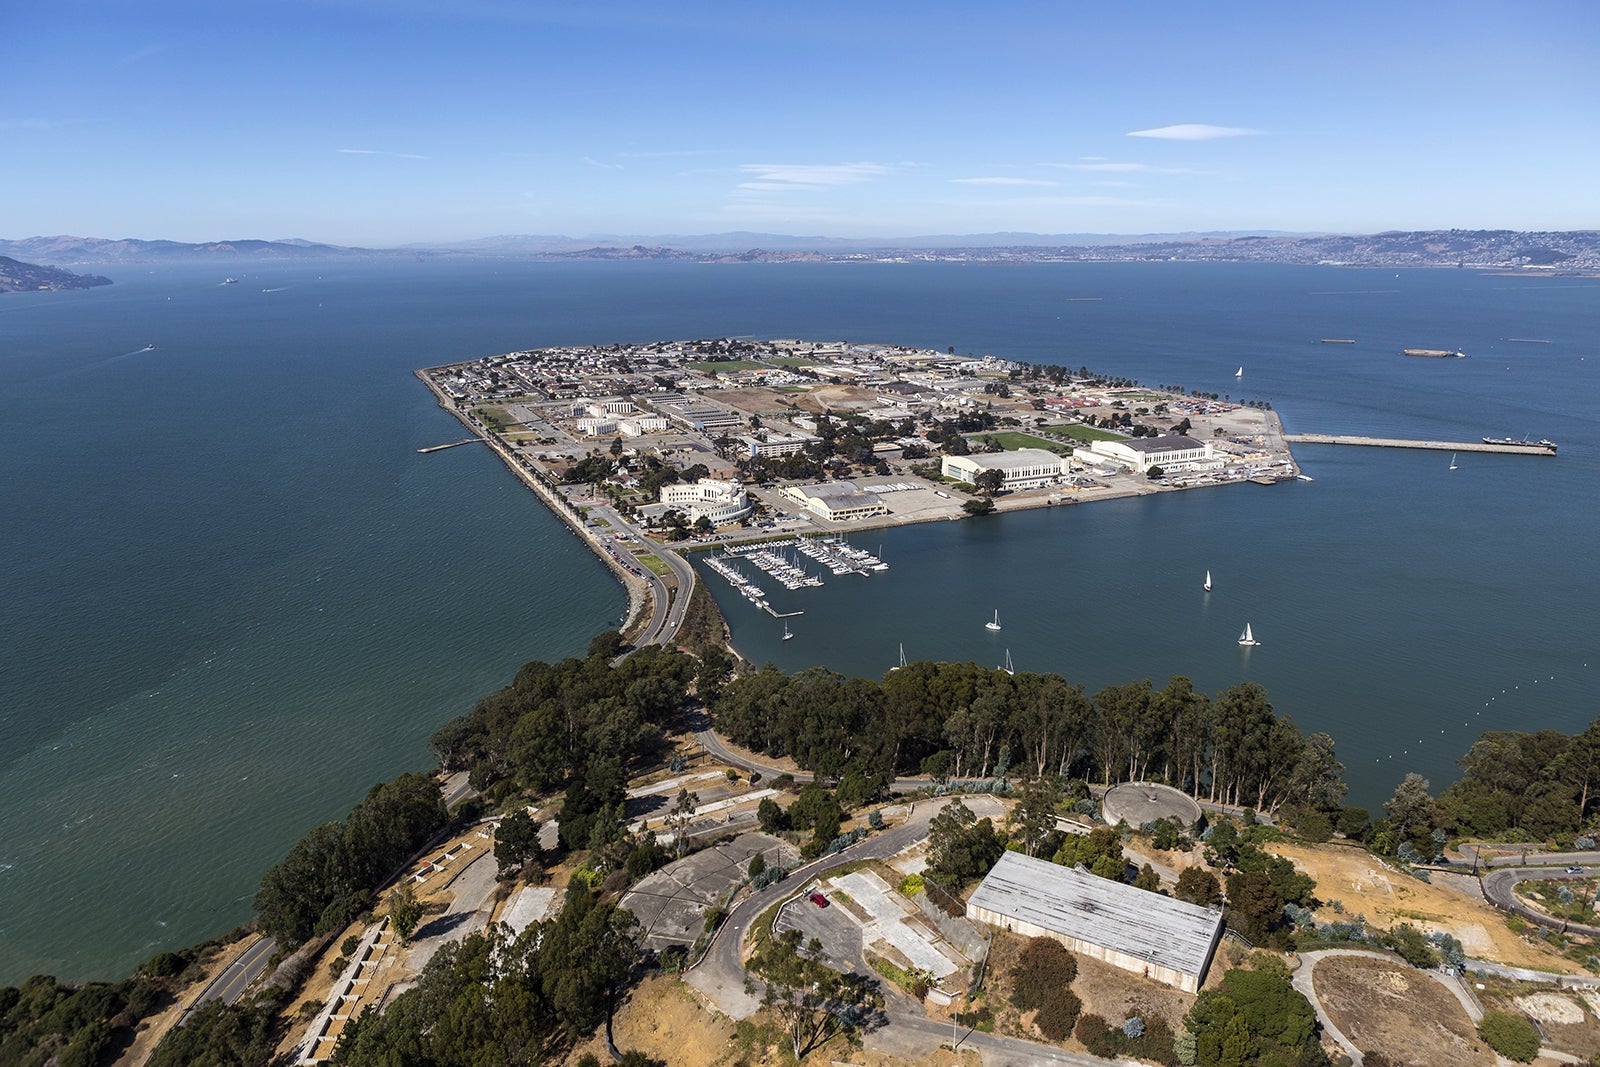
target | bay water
[{"x": 235, "y": 596}]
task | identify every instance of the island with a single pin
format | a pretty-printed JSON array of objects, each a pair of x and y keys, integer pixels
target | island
[{"x": 724, "y": 443}]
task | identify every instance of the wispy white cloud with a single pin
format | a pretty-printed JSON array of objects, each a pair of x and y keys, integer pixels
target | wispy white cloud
[
  {"x": 781, "y": 177},
  {"x": 1000, "y": 181},
  {"x": 1194, "y": 131},
  {"x": 1106, "y": 166},
  {"x": 376, "y": 152},
  {"x": 603, "y": 166}
]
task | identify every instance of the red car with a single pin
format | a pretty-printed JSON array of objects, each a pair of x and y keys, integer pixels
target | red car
[{"x": 818, "y": 899}]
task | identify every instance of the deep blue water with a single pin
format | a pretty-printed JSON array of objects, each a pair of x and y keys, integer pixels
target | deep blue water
[{"x": 235, "y": 596}]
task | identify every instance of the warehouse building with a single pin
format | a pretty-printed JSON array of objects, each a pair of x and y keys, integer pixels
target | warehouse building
[
  {"x": 1025, "y": 468},
  {"x": 1168, "y": 940}
]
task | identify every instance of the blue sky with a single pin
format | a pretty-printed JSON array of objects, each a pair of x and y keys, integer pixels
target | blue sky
[{"x": 394, "y": 121}]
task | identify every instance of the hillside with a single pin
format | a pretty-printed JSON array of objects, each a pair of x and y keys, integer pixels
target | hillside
[{"x": 19, "y": 277}]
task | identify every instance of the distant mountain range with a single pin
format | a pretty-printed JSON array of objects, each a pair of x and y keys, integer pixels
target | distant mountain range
[
  {"x": 1566, "y": 251},
  {"x": 19, "y": 277}
]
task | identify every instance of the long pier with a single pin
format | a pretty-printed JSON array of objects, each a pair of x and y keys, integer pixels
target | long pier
[
  {"x": 1436, "y": 446},
  {"x": 452, "y": 444}
]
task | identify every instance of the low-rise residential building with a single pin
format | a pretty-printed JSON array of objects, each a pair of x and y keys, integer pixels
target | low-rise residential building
[
  {"x": 1026, "y": 468},
  {"x": 1146, "y": 933},
  {"x": 637, "y": 425}
]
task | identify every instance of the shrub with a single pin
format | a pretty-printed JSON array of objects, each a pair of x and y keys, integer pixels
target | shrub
[
  {"x": 1043, "y": 965},
  {"x": 1133, "y": 1027},
  {"x": 1058, "y": 1014},
  {"x": 1096, "y": 1036},
  {"x": 1510, "y": 1034}
]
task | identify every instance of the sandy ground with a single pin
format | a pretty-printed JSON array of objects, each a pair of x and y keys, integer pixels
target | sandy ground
[
  {"x": 1387, "y": 897},
  {"x": 1387, "y": 1006},
  {"x": 153, "y": 1028}
]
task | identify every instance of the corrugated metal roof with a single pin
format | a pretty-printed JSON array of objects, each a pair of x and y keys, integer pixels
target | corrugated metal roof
[{"x": 1145, "y": 925}]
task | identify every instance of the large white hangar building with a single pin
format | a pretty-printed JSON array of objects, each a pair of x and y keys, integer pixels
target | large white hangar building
[{"x": 1169, "y": 940}]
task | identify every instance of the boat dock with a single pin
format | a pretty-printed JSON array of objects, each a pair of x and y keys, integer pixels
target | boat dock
[
  {"x": 452, "y": 444},
  {"x": 1529, "y": 449}
]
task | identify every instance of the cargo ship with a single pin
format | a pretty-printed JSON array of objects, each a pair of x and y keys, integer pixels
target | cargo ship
[
  {"x": 1547, "y": 445},
  {"x": 1433, "y": 353}
]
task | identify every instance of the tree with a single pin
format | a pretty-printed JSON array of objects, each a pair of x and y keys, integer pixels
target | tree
[
  {"x": 405, "y": 911},
  {"x": 989, "y": 481},
  {"x": 516, "y": 843},
  {"x": 1410, "y": 809},
  {"x": 702, "y": 525},
  {"x": 980, "y": 506},
  {"x": 616, "y": 447},
  {"x": 679, "y": 818},
  {"x": 810, "y": 1001},
  {"x": 1198, "y": 886},
  {"x": 961, "y": 847}
]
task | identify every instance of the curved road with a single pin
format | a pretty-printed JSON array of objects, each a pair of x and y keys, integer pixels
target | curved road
[{"x": 1499, "y": 888}]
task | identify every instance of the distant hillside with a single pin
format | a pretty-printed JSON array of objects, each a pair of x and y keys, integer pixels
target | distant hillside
[
  {"x": 66, "y": 249},
  {"x": 1568, "y": 252},
  {"x": 19, "y": 277}
]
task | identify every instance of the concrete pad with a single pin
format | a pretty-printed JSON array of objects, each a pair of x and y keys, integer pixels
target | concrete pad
[
  {"x": 671, "y": 903},
  {"x": 892, "y": 923},
  {"x": 530, "y": 905}
]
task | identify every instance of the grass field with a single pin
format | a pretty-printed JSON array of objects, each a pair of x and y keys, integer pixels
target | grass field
[
  {"x": 722, "y": 366},
  {"x": 1011, "y": 440},
  {"x": 1079, "y": 432},
  {"x": 792, "y": 361},
  {"x": 654, "y": 563}
]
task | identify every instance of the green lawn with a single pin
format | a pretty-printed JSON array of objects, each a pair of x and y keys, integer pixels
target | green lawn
[
  {"x": 654, "y": 563},
  {"x": 1011, "y": 440},
  {"x": 792, "y": 361},
  {"x": 726, "y": 366},
  {"x": 1079, "y": 432}
]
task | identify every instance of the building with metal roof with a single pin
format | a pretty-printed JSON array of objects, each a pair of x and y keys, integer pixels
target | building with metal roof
[
  {"x": 1169, "y": 940},
  {"x": 1022, "y": 468}
]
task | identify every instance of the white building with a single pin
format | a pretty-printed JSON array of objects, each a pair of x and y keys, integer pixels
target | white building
[
  {"x": 1169, "y": 940},
  {"x": 636, "y": 425},
  {"x": 1026, "y": 468},
  {"x": 836, "y": 501},
  {"x": 1173, "y": 453},
  {"x": 712, "y": 499},
  {"x": 775, "y": 444},
  {"x": 595, "y": 426}
]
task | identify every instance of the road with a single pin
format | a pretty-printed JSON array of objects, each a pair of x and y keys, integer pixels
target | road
[
  {"x": 916, "y": 1036},
  {"x": 1499, "y": 887},
  {"x": 666, "y": 610},
  {"x": 721, "y": 975},
  {"x": 231, "y": 984}
]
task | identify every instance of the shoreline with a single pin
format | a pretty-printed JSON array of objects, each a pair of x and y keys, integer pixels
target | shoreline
[
  {"x": 638, "y": 593},
  {"x": 641, "y": 594}
]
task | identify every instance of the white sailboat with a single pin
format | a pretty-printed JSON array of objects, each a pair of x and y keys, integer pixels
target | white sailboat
[
  {"x": 786, "y": 634},
  {"x": 1008, "y": 668},
  {"x": 902, "y": 662},
  {"x": 1247, "y": 638},
  {"x": 1452, "y": 461},
  {"x": 1239, "y": 373},
  {"x": 1208, "y": 582},
  {"x": 994, "y": 624}
]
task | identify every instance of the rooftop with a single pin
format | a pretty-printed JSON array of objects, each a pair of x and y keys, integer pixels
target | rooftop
[
  {"x": 1022, "y": 457},
  {"x": 1144, "y": 925},
  {"x": 1170, "y": 443}
]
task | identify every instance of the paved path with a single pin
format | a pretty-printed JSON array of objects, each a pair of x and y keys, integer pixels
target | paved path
[{"x": 1301, "y": 980}]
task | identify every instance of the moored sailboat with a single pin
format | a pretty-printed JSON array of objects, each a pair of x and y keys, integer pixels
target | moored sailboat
[
  {"x": 994, "y": 624},
  {"x": 1247, "y": 638}
]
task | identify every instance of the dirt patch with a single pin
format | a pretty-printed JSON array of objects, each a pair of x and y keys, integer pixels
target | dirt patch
[
  {"x": 1551, "y": 1008},
  {"x": 1107, "y": 991},
  {"x": 1566, "y": 1017},
  {"x": 1363, "y": 886},
  {"x": 1385, "y": 1006},
  {"x": 757, "y": 401},
  {"x": 845, "y": 397},
  {"x": 663, "y": 1019}
]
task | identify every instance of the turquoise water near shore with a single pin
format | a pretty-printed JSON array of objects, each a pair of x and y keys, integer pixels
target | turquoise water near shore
[{"x": 236, "y": 596}]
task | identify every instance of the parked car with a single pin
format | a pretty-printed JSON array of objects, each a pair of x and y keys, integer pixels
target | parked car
[
  {"x": 818, "y": 899},
  {"x": 1574, "y": 870}
]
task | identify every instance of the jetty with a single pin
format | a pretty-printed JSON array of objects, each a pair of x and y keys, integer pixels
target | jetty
[
  {"x": 1531, "y": 448},
  {"x": 450, "y": 444}
]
